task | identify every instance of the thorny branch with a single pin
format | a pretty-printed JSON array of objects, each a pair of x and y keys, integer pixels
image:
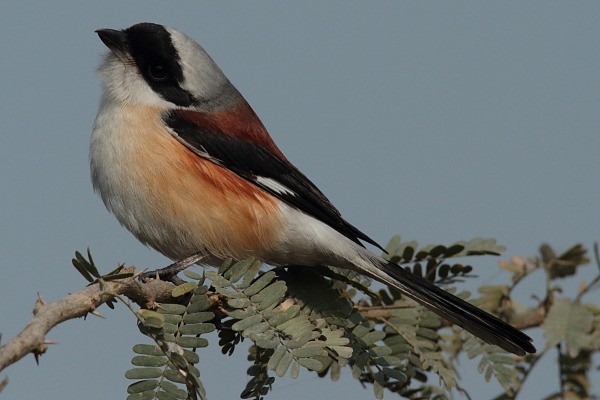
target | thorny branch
[{"x": 32, "y": 339}]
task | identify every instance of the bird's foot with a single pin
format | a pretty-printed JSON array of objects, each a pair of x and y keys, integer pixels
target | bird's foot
[{"x": 169, "y": 273}]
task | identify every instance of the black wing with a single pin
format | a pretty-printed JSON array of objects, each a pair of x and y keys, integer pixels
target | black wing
[{"x": 259, "y": 166}]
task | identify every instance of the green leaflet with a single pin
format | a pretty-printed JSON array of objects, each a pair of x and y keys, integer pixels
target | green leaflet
[
  {"x": 143, "y": 373},
  {"x": 570, "y": 322},
  {"x": 142, "y": 386},
  {"x": 247, "y": 322},
  {"x": 184, "y": 289},
  {"x": 493, "y": 362},
  {"x": 432, "y": 257},
  {"x": 148, "y": 361}
]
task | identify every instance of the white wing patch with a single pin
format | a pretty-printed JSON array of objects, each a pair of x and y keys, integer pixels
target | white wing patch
[{"x": 274, "y": 186}]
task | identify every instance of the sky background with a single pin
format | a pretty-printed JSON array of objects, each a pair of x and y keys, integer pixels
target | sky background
[{"x": 439, "y": 121}]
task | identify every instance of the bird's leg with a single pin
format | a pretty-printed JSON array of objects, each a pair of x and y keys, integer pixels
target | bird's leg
[{"x": 169, "y": 273}]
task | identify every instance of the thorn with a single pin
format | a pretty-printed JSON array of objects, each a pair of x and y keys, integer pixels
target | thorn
[
  {"x": 39, "y": 303},
  {"x": 97, "y": 314},
  {"x": 137, "y": 274},
  {"x": 40, "y": 299},
  {"x": 46, "y": 341}
]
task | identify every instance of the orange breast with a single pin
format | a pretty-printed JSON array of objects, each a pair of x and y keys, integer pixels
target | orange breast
[{"x": 185, "y": 203}]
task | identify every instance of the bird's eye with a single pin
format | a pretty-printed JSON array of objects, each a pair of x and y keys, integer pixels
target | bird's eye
[{"x": 157, "y": 72}]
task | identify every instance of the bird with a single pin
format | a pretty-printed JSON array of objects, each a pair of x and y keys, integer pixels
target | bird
[{"x": 185, "y": 164}]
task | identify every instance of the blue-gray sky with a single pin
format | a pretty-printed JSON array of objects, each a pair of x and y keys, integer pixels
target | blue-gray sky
[{"x": 440, "y": 121}]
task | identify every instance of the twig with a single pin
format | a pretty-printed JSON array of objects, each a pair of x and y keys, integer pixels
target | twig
[
  {"x": 593, "y": 283},
  {"x": 169, "y": 273}
]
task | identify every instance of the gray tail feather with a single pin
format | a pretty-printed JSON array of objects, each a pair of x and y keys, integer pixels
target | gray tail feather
[{"x": 457, "y": 311}]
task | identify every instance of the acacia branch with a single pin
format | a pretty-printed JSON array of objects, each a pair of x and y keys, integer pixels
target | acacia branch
[{"x": 32, "y": 339}]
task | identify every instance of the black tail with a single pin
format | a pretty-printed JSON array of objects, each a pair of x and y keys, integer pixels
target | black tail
[{"x": 459, "y": 312}]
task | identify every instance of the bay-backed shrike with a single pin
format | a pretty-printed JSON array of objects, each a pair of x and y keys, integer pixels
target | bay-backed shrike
[{"x": 183, "y": 162}]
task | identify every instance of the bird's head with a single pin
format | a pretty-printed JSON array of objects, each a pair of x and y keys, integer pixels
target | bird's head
[{"x": 154, "y": 65}]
